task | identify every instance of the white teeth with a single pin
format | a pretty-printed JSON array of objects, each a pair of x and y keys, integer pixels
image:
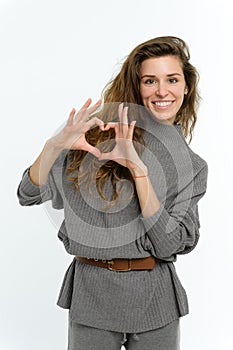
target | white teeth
[{"x": 163, "y": 104}]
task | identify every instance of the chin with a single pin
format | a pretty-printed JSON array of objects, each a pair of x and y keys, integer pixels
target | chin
[{"x": 163, "y": 117}]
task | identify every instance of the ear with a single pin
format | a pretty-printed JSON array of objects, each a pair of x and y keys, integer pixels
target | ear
[{"x": 186, "y": 90}]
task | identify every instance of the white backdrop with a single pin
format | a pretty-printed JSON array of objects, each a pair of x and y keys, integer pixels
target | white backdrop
[{"x": 56, "y": 54}]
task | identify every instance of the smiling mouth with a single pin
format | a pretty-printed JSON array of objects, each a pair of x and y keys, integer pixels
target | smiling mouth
[{"x": 162, "y": 103}]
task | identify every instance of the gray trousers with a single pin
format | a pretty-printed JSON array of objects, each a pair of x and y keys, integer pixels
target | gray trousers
[{"x": 81, "y": 337}]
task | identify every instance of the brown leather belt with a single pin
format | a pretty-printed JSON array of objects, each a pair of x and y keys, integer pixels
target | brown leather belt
[{"x": 122, "y": 264}]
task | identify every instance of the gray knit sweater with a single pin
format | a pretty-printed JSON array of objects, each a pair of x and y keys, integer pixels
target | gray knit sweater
[{"x": 134, "y": 301}]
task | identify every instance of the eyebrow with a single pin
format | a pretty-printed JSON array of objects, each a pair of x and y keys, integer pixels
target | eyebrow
[{"x": 154, "y": 76}]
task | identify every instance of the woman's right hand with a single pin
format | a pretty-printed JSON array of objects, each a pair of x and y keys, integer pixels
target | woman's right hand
[{"x": 72, "y": 136}]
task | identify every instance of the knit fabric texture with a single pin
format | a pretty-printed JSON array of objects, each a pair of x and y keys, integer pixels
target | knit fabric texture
[{"x": 133, "y": 301}]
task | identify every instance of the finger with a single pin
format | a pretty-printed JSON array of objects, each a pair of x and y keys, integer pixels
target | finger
[
  {"x": 120, "y": 109},
  {"x": 92, "y": 109},
  {"x": 123, "y": 113},
  {"x": 125, "y": 125},
  {"x": 93, "y": 150},
  {"x": 86, "y": 104},
  {"x": 85, "y": 113},
  {"x": 105, "y": 156},
  {"x": 114, "y": 126},
  {"x": 71, "y": 117},
  {"x": 123, "y": 116},
  {"x": 110, "y": 125},
  {"x": 96, "y": 121},
  {"x": 131, "y": 130},
  {"x": 120, "y": 112},
  {"x": 83, "y": 108}
]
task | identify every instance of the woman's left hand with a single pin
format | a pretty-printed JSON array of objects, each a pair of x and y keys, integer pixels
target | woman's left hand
[{"x": 124, "y": 152}]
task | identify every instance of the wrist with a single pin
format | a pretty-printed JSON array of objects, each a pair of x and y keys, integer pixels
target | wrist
[
  {"x": 53, "y": 147},
  {"x": 139, "y": 176},
  {"x": 139, "y": 172}
]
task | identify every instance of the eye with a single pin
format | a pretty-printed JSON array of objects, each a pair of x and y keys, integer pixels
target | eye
[
  {"x": 149, "y": 81},
  {"x": 173, "y": 80}
]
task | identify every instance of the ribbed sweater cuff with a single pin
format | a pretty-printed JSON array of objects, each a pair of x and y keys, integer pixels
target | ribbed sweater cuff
[
  {"x": 28, "y": 187},
  {"x": 166, "y": 234},
  {"x": 159, "y": 221}
]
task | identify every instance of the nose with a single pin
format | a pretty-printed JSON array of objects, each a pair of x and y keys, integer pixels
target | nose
[{"x": 161, "y": 90}]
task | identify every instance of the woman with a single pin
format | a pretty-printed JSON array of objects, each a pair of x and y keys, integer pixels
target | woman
[{"x": 129, "y": 185}]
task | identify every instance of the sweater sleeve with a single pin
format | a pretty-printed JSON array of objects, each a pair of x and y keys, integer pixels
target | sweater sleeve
[
  {"x": 175, "y": 230},
  {"x": 30, "y": 194}
]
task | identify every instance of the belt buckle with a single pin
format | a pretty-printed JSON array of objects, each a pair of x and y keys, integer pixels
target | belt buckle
[{"x": 111, "y": 262}]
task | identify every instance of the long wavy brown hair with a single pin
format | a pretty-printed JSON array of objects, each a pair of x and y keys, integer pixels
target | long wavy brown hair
[{"x": 125, "y": 87}]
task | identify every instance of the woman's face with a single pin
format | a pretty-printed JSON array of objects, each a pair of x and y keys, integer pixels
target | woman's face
[{"x": 163, "y": 86}]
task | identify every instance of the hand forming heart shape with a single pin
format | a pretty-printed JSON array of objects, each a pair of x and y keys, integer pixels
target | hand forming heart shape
[{"x": 72, "y": 136}]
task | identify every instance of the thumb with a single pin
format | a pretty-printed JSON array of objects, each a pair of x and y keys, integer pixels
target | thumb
[
  {"x": 105, "y": 156},
  {"x": 91, "y": 149}
]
